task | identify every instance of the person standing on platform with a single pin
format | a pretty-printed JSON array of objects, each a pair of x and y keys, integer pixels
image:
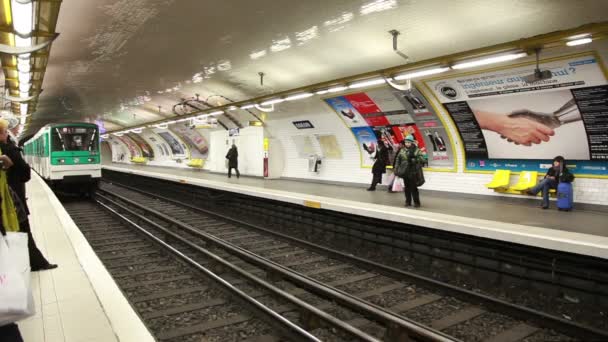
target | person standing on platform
[
  {"x": 554, "y": 174},
  {"x": 379, "y": 167},
  {"x": 233, "y": 161},
  {"x": 408, "y": 160},
  {"x": 17, "y": 175}
]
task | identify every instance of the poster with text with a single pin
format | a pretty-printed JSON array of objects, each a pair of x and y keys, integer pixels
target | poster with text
[
  {"x": 199, "y": 148},
  {"x": 505, "y": 121},
  {"x": 134, "y": 150},
  {"x": 146, "y": 149},
  {"x": 366, "y": 139},
  {"x": 174, "y": 145},
  {"x": 392, "y": 115}
]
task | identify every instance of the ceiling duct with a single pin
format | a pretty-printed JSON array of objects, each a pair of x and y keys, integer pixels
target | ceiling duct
[{"x": 538, "y": 75}]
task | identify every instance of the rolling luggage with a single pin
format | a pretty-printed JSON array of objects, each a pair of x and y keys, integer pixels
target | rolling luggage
[{"x": 564, "y": 196}]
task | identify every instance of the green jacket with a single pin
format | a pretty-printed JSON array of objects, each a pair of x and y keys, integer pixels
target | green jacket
[{"x": 402, "y": 158}]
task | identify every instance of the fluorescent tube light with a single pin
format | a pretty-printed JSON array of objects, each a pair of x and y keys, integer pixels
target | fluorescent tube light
[
  {"x": 249, "y": 106},
  {"x": 298, "y": 96},
  {"x": 137, "y": 130},
  {"x": 414, "y": 74},
  {"x": 579, "y": 41},
  {"x": 162, "y": 125},
  {"x": 489, "y": 60},
  {"x": 321, "y": 92},
  {"x": 363, "y": 84},
  {"x": 336, "y": 89},
  {"x": 23, "y": 15},
  {"x": 217, "y": 112},
  {"x": 24, "y": 108},
  {"x": 271, "y": 102},
  {"x": 24, "y": 87}
]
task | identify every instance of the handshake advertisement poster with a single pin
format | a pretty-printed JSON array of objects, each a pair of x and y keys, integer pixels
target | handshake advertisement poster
[
  {"x": 507, "y": 123},
  {"x": 391, "y": 115}
]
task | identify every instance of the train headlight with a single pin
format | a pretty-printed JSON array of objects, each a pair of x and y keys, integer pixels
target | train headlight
[
  {"x": 61, "y": 161},
  {"x": 91, "y": 160},
  {"x": 76, "y": 160}
]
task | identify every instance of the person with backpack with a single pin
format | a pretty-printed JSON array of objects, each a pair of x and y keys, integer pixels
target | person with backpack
[
  {"x": 556, "y": 174},
  {"x": 408, "y": 166}
]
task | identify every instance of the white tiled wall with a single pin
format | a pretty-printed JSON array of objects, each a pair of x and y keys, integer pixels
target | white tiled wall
[{"x": 326, "y": 121}]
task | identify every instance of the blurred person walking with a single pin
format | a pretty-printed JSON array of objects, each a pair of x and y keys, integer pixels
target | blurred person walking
[{"x": 233, "y": 161}]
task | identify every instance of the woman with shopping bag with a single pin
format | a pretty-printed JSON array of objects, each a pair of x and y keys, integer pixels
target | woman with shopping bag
[
  {"x": 409, "y": 167},
  {"x": 16, "y": 301}
]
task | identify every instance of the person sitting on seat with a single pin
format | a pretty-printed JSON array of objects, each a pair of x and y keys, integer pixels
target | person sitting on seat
[{"x": 557, "y": 172}]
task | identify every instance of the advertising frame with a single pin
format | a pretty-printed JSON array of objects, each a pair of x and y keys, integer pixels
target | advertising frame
[
  {"x": 439, "y": 114},
  {"x": 431, "y": 94}
]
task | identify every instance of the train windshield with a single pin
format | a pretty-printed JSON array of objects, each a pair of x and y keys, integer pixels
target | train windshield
[{"x": 75, "y": 139}]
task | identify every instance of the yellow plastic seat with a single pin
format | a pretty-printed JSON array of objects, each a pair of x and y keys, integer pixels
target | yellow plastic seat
[
  {"x": 527, "y": 180},
  {"x": 198, "y": 163},
  {"x": 501, "y": 180},
  {"x": 139, "y": 160}
]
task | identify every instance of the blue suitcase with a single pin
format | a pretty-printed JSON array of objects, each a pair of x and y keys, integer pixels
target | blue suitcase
[{"x": 564, "y": 196}]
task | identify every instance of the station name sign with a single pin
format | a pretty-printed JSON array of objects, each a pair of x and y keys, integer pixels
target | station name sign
[{"x": 303, "y": 124}]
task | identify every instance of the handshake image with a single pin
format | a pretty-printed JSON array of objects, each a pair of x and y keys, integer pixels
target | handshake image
[{"x": 527, "y": 127}]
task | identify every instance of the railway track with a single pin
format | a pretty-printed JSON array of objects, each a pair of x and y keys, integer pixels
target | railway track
[{"x": 458, "y": 314}]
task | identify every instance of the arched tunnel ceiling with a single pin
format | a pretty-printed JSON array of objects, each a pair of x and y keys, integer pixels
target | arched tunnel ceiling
[{"x": 118, "y": 60}]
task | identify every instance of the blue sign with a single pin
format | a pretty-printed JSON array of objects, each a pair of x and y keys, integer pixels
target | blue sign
[{"x": 577, "y": 167}]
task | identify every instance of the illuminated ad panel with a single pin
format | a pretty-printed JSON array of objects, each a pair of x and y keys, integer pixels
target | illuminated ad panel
[
  {"x": 507, "y": 120},
  {"x": 391, "y": 115},
  {"x": 134, "y": 150},
  {"x": 198, "y": 145},
  {"x": 145, "y": 148}
]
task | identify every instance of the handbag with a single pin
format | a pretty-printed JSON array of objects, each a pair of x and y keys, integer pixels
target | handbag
[
  {"x": 16, "y": 299},
  {"x": 419, "y": 175}
]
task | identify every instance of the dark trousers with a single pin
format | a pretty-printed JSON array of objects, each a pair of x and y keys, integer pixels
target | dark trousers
[
  {"x": 411, "y": 191},
  {"x": 377, "y": 179},
  {"x": 235, "y": 169},
  {"x": 10, "y": 333},
  {"x": 37, "y": 260}
]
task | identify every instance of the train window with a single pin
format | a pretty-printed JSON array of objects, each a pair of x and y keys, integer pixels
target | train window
[{"x": 75, "y": 139}]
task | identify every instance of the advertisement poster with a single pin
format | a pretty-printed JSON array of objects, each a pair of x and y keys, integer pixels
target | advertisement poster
[
  {"x": 506, "y": 122},
  {"x": 392, "y": 115},
  {"x": 146, "y": 149},
  {"x": 199, "y": 148},
  {"x": 176, "y": 148},
  {"x": 366, "y": 139},
  {"x": 134, "y": 150}
]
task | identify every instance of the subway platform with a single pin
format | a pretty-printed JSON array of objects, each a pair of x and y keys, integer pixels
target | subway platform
[
  {"x": 78, "y": 301},
  {"x": 580, "y": 232}
]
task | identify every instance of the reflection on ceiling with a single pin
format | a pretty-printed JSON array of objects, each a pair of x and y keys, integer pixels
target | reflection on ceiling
[{"x": 129, "y": 62}]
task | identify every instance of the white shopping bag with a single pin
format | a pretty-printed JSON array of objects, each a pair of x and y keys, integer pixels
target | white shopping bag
[
  {"x": 16, "y": 299},
  {"x": 398, "y": 184}
]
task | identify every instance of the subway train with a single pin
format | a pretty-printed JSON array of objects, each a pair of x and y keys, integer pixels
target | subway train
[{"x": 66, "y": 155}]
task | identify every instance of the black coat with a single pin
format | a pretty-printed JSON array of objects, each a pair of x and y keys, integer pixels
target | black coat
[
  {"x": 19, "y": 173},
  {"x": 381, "y": 161},
  {"x": 564, "y": 176},
  {"x": 233, "y": 158}
]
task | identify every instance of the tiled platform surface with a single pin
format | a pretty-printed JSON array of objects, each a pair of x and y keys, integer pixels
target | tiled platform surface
[
  {"x": 575, "y": 232},
  {"x": 79, "y": 301}
]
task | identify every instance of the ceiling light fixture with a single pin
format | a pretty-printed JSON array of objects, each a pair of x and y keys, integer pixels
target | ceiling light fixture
[
  {"x": 137, "y": 130},
  {"x": 24, "y": 107},
  {"x": 367, "y": 83},
  {"x": 336, "y": 89},
  {"x": 216, "y": 113},
  {"x": 249, "y": 106},
  {"x": 23, "y": 14},
  {"x": 271, "y": 102},
  {"x": 162, "y": 125},
  {"x": 415, "y": 74},
  {"x": 488, "y": 60},
  {"x": 579, "y": 41},
  {"x": 24, "y": 87},
  {"x": 322, "y": 92},
  {"x": 298, "y": 96}
]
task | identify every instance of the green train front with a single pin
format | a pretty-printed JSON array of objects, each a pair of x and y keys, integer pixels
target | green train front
[{"x": 66, "y": 153}]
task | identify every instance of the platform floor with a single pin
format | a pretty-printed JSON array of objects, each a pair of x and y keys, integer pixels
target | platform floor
[
  {"x": 488, "y": 208},
  {"x": 71, "y": 305}
]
